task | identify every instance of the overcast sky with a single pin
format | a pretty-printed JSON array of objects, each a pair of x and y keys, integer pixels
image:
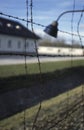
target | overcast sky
[{"x": 46, "y": 11}]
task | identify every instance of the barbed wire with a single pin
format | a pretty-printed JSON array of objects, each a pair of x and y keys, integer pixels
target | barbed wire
[
  {"x": 80, "y": 39},
  {"x": 39, "y": 64},
  {"x": 21, "y": 19},
  {"x": 68, "y": 89},
  {"x": 31, "y": 9},
  {"x": 26, "y": 38},
  {"x": 27, "y": 11},
  {"x": 37, "y": 24},
  {"x": 69, "y": 33},
  {"x": 25, "y": 56},
  {"x": 72, "y": 20}
]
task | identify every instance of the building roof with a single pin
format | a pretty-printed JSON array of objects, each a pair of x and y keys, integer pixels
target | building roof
[{"x": 14, "y": 28}]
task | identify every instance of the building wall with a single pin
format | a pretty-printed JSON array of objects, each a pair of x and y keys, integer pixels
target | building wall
[
  {"x": 62, "y": 51},
  {"x": 16, "y": 44}
]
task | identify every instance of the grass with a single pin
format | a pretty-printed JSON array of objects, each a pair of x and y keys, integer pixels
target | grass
[
  {"x": 50, "y": 108},
  {"x": 15, "y": 70},
  {"x": 12, "y": 76}
]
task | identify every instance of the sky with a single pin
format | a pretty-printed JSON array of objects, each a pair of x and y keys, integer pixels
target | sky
[{"x": 46, "y": 11}]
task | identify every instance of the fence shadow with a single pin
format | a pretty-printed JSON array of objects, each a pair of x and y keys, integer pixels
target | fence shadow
[{"x": 21, "y": 92}]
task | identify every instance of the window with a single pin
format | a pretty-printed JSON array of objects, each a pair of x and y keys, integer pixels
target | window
[
  {"x": 27, "y": 44},
  {"x": 59, "y": 50},
  {"x": 30, "y": 44},
  {"x": 0, "y": 43},
  {"x": 19, "y": 45},
  {"x": 9, "y": 44},
  {"x": 1, "y": 24}
]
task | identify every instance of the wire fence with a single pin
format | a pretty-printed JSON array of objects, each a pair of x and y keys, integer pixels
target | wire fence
[{"x": 68, "y": 112}]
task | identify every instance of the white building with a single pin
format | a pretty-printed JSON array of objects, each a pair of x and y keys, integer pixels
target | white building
[
  {"x": 16, "y": 38},
  {"x": 60, "y": 51}
]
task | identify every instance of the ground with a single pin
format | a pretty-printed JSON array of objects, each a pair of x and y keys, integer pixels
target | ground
[{"x": 16, "y": 100}]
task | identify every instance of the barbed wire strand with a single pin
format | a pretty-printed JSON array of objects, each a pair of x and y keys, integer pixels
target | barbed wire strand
[
  {"x": 69, "y": 33},
  {"x": 68, "y": 100},
  {"x": 21, "y": 19},
  {"x": 27, "y": 11},
  {"x": 25, "y": 56},
  {"x": 26, "y": 38},
  {"x": 38, "y": 24},
  {"x": 80, "y": 39},
  {"x": 68, "y": 89},
  {"x": 72, "y": 20},
  {"x": 31, "y": 7},
  {"x": 39, "y": 65},
  {"x": 36, "y": 44}
]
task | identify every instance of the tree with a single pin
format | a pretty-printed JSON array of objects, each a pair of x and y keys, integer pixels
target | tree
[{"x": 59, "y": 43}]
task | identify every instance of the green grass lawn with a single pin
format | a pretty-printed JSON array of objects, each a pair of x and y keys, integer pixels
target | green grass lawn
[
  {"x": 15, "y": 70},
  {"x": 14, "y": 76}
]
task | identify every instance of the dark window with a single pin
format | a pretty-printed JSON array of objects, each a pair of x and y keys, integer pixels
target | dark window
[
  {"x": 19, "y": 44},
  {"x": 1, "y": 24},
  {"x": 59, "y": 50},
  {"x": 31, "y": 44},
  {"x": 0, "y": 43},
  {"x": 27, "y": 44},
  {"x": 9, "y": 44}
]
